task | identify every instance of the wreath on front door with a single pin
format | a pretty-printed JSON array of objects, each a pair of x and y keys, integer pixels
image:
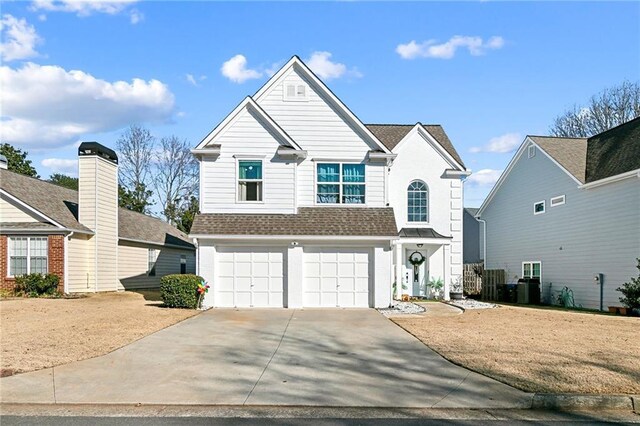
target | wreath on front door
[{"x": 416, "y": 258}]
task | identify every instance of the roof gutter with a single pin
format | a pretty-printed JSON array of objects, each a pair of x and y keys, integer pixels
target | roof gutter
[
  {"x": 214, "y": 151},
  {"x": 291, "y": 152},
  {"x": 153, "y": 243},
  {"x": 452, "y": 173},
  {"x": 611, "y": 179}
]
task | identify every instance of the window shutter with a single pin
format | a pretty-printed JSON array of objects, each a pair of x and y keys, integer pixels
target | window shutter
[
  {"x": 291, "y": 91},
  {"x": 302, "y": 91}
]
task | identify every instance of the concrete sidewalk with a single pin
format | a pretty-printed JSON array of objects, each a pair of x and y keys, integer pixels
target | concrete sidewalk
[{"x": 305, "y": 357}]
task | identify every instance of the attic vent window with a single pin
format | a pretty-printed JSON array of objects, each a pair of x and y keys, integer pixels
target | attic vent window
[
  {"x": 532, "y": 151},
  {"x": 295, "y": 92}
]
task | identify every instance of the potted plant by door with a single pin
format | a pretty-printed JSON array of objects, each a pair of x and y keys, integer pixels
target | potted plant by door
[{"x": 456, "y": 291}]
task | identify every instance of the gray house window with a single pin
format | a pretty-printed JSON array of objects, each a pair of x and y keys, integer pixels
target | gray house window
[
  {"x": 183, "y": 264},
  {"x": 538, "y": 208},
  {"x": 153, "y": 258},
  {"x": 417, "y": 202}
]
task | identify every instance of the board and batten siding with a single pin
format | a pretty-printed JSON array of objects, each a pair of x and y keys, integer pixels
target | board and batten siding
[
  {"x": 247, "y": 135},
  {"x": 596, "y": 231},
  {"x": 321, "y": 130},
  {"x": 10, "y": 212},
  {"x": 133, "y": 264},
  {"x": 80, "y": 267}
]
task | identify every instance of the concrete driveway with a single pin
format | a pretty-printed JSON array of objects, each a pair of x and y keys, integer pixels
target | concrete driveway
[{"x": 269, "y": 357}]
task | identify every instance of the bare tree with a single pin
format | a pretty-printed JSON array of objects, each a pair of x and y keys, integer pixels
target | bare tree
[
  {"x": 607, "y": 109},
  {"x": 176, "y": 177},
  {"x": 136, "y": 146}
]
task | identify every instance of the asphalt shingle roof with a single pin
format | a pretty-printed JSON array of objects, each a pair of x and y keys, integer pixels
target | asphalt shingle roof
[
  {"x": 571, "y": 153},
  {"x": 420, "y": 233},
  {"x": 61, "y": 205},
  {"x": 391, "y": 135},
  {"x": 614, "y": 152},
  {"x": 310, "y": 221}
]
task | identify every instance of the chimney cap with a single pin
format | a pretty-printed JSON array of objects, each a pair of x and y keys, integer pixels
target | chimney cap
[{"x": 94, "y": 148}]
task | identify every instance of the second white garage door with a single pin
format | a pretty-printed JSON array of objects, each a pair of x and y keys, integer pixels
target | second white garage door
[
  {"x": 249, "y": 278},
  {"x": 336, "y": 278}
]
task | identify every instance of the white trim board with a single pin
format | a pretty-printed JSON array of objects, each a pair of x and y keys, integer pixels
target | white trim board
[{"x": 428, "y": 137}]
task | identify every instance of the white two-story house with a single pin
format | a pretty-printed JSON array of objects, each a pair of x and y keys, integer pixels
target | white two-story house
[{"x": 303, "y": 205}]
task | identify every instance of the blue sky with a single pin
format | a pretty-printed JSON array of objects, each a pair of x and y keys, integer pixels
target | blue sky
[{"x": 489, "y": 72}]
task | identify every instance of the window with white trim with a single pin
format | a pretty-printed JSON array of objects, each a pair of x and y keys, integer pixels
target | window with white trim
[
  {"x": 538, "y": 208},
  {"x": 249, "y": 180},
  {"x": 340, "y": 183},
  {"x": 294, "y": 91},
  {"x": 28, "y": 255},
  {"x": 183, "y": 264},
  {"x": 417, "y": 202},
  {"x": 532, "y": 269},
  {"x": 557, "y": 201},
  {"x": 152, "y": 260},
  {"x": 531, "y": 152}
]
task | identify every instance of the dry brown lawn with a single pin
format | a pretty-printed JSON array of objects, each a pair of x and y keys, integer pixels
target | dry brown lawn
[
  {"x": 539, "y": 350},
  {"x": 40, "y": 333}
]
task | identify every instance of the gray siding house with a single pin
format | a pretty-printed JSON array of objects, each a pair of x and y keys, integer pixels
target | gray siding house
[
  {"x": 566, "y": 210},
  {"x": 472, "y": 250}
]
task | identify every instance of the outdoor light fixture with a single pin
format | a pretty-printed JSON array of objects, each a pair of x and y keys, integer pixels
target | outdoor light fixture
[{"x": 420, "y": 245}]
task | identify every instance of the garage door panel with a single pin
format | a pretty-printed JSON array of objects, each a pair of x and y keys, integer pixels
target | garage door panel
[
  {"x": 336, "y": 277},
  {"x": 249, "y": 277}
]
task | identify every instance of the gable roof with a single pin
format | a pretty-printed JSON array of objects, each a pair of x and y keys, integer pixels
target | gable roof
[
  {"x": 61, "y": 205},
  {"x": 296, "y": 63},
  {"x": 249, "y": 104},
  {"x": 309, "y": 221},
  {"x": 471, "y": 210},
  {"x": 391, "y": 135},
  {"x": 570, "y": 153},
  {"x": 613, "y": 152}
]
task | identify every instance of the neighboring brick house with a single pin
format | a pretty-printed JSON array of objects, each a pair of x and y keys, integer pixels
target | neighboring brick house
[{"x": 83, "y": 236}]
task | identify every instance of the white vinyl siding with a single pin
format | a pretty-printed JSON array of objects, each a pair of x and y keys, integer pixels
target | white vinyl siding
[
  {"x": 596, "y": 232},
  {"x": 133, "y": 264},
  {"x": 246, "y": 137}
]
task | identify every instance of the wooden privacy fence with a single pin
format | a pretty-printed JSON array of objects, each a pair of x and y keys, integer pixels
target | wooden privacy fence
[
  {"x": 490, "y": 280},
  {"x": 472, "y": 277}
]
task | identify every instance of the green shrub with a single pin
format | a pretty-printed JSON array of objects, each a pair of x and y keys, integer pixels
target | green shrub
[
  {"x": 631, "y": 291},
  {"x": 36, "y": 285},
  {"x": 180, "y": 290}
]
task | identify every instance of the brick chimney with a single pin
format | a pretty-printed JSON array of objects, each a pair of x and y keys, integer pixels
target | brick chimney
[{"x": 98, "y": 211}]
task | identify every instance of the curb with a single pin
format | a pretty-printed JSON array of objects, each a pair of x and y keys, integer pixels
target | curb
[{"x": 548, "y": 401}]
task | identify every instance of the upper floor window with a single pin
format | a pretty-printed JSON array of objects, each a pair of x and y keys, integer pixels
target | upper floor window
[
  {"x": 250, "y": 180},
  {"x": 418, "y": 202},
  {"x": 339, "y": 183},
  {"x": 294, "y": 91},
  {"x": 28, "y": 255},
  {"x": 531, "y": 151},
  {"x": 538, "y": 208}
]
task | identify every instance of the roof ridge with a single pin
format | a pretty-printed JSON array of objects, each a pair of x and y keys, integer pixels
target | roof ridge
[
  {"x": 615, "y": 127},
  {"x": 556, "y": 137}
]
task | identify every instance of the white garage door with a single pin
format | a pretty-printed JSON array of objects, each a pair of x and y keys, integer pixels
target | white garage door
[
  {"x": 249, "y": 278},
  {"x": 336, "y": 278}
]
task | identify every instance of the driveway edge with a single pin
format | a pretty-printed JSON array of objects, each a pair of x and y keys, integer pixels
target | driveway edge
[{"x": 549, "y": 401}]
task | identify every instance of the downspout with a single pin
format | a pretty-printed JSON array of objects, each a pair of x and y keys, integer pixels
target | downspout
[
  {"x": 484, "y": 241},
  {"x": 67, "y": 239}
]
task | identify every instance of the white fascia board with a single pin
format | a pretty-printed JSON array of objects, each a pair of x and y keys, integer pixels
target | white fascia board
[
  {"x": 62, "y": 231},
  {"x": 31, "y": 209},
  {"x": 611, "y": 179},
  {"x": 248, "y": 102},
  {"x": 503, "y": 176},
  {"x": 293, "y": 237},
  {"x": 296, "y": 61}
]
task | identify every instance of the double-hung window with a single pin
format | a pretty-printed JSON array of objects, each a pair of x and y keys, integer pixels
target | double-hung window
[
  {"x": 28, "y": 255},
  {"x": 531, "y": 270},
  {"x": 249, "y": 180},
  {"x": 340, "y": 183},
  {"x": 152, "y": 260}
]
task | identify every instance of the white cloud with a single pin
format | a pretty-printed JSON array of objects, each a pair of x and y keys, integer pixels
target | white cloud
[
  {"x": 501, "y": 144},
  {"x": 321, "y": 64},
  {"x": 42, "y": 17},
  {"x": 447, "y": 50},
  {"x": 48, "y": 106},
  {"x": 135, "y": 16},
  {"x": 235, "y": 69},
  {"x": 193, "y": 80},
  {"x": 82, "y": 7},
  {"x": 19, "y": 39},
  {"x": 484, "y": 177},
  {"x": 61, "y": 165}
]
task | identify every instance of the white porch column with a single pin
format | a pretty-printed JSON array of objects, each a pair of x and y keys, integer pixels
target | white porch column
[
  {"x": 206, "y": 259},
  {"x": 399, "y": 265},
  {"x": 295, "y": 276},
  {"x": 446, "y": 265}
]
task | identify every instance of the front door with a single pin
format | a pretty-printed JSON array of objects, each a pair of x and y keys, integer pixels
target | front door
[{"x": 417, "y": 272}]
